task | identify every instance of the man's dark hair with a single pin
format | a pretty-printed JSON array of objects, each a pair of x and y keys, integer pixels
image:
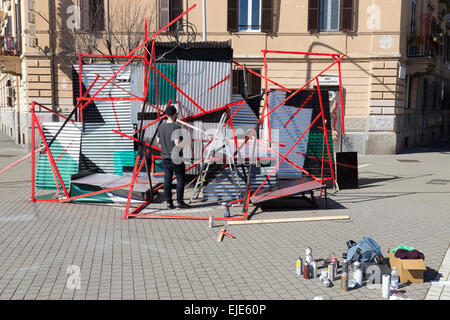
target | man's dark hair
[{"x": 171, "y": 110}]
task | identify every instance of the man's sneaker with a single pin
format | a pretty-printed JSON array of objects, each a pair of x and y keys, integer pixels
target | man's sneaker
[
  {"x": 170, "y": 206},
  {"x": 183, "y": 205}
]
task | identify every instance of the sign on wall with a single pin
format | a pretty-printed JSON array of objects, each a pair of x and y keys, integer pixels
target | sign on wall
[{"x": 329, "y": 80}]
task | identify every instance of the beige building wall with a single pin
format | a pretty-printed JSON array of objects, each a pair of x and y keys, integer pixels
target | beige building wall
[
  {"x": 376, "y": 53},
  {"x": 376, "y": 58}
]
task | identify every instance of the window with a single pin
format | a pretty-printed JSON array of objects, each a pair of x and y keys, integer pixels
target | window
[
  {"x": 425, "y": 95},
  {"x": 92, "y": 15},
  {"x": 409, "y": 83},
  {"x": 246, "y": 84},
  {"x": 413, "y": 17},
  {"x": 168, "y": 11},
  {"x": 329, "y": 15},
  {"x": 250, "y": 16}
]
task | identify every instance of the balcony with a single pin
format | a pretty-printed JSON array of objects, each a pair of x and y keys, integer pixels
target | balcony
[
  {"x": 10, "y": 61},
  {"x": 420, "y": 47}
]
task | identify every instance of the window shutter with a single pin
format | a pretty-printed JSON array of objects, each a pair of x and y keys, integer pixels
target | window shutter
[
  {"x": 163, "y": 13},
  {"x": 98, "y": 12},
  {"x": 347, "y": 9},
  {"x": 175, "y": 9},
  {"x": 267, "y": 16},
  {"x": 313, "y": 15},
  {"x": 85, "y": 15},
  {"x": 233, "y": 16},
  {"x": 8, "y": 30}
]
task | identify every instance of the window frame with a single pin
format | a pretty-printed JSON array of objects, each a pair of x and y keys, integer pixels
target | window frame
[
  {"x": 413, "y": 18},
  {"x": 91, "y": 20},
  {"x": 329, "y": 16},
  {"x": 249, "y": 17}
]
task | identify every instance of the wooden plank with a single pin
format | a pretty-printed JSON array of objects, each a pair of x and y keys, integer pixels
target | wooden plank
[{"x": 309, "y": 219}]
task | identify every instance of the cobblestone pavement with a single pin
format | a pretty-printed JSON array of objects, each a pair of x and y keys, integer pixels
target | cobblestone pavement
[
  {"x": 440, "y": 287},
  {"x": 397, "y": 203}
]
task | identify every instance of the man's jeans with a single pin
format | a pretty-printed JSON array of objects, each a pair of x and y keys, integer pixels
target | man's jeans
[{"x": 169, "y": 169}]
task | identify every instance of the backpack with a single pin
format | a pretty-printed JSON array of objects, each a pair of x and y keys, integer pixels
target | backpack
[{"x": 365, "y": 250}]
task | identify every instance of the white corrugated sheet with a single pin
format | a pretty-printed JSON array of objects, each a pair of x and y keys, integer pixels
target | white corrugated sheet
[{"x": 208, "y": 83}]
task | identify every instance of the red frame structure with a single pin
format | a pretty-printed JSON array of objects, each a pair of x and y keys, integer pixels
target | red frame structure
[{"x": 84, "y": 100}]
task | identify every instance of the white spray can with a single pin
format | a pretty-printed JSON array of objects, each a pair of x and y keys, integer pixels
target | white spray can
[
  {"x": 314, "y": 269},
  {"x": 385, "y": 286},
  {"x": 299, "y": 266},
  {"x": 358, "y": 273},
  {"x": 211, "y": 222},
  {"x": 331, "y": 272},
  {"x": 309, "y": 257}
]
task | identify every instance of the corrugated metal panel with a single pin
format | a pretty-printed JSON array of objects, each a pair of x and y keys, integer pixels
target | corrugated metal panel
[
  {"x": 207, "y": 83},
  {"x": 315, "y": 145},
  {"x": 137, "y": 81},
  {"x": 245, "y": 117},
  {"x": 107, "y": 71},
  {"x": 106, "y": 111},
  {"x": 289, "y": 135},
  {"x": 99, "y": 143},
  {"x": 165, "y": 90},
  {"x": 65, "y": 151},
  {"x": 310, "y": 100},
  {"x": 222, "y": 187}
]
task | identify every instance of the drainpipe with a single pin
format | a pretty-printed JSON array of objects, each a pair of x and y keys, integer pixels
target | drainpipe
[
  {"x": 53, "y": 64},
  {"x": 19, "y": 129},
  {"x": 204, "y": 20}
]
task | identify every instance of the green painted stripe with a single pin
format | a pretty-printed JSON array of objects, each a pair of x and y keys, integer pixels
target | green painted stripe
[{"x": 165, "y": 90}]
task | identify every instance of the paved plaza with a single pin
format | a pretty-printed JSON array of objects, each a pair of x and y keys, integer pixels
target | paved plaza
[{"x": 397, "y": 203}]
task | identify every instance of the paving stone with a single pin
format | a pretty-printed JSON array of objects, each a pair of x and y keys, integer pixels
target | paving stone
[{"x": 175, "y": 259}]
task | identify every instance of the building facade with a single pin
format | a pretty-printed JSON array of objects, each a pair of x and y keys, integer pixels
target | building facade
[{"x": 396, "y": 73}]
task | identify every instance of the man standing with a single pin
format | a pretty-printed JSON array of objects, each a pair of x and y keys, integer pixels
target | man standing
[{"x": 171, "y": 140}]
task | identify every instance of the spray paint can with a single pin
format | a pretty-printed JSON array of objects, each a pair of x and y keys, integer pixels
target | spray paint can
[
  {"x": 299, "y": 266},
  {"x": 331, "y": 272},
  {"x": 358, "y": 273},
  {"x": 344, "y": 281},
  {"x": 386, "y": 286},
  {"x": 335, "y": 263},
  {"x": 309, "y": 257},
  {"x": 324, "y": 279},
  {"x": 211, "y": 222},
  {"x": 306, "y": 272},
  {"x": 314, "y": 269},
  {"x": 344, "y": 266}
]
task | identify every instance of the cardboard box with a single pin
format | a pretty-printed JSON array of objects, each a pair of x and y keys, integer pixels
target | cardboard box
[{"x": 409, "y": 270}]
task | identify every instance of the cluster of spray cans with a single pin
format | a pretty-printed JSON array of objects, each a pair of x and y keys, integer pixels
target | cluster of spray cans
[{"x": 307, "y": 268}]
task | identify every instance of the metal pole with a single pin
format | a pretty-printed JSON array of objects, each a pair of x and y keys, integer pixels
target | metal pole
[
  {"x": 204, "y": 20},
  {"x": 33, "y": 147}
]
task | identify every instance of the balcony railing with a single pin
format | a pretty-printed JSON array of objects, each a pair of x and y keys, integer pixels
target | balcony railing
[
  {"x": 8, "y": 47},
  {"x": 10, "y": 61},
  {"x": 419, "y": 47},
  {"x": 423, "y": 47}
]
